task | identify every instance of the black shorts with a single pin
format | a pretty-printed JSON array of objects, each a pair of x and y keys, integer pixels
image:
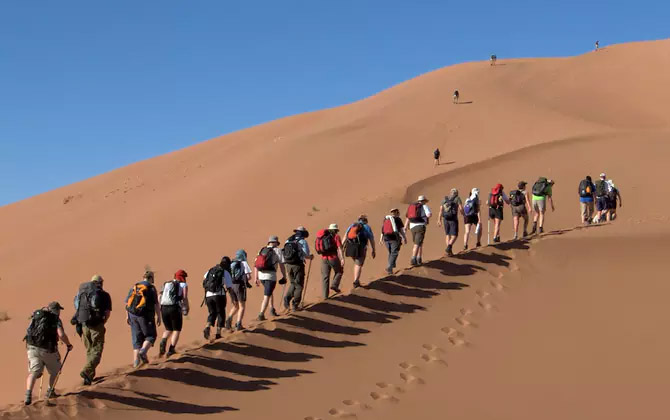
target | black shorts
[
  {"x": 496, "y": 213},
  {"x": 268, "y": 287},
  {"x": 172, "y": 317},
  {"x": 472, "y": 220},
  {"x": 238, "y": 293},
  {"x": 602, "y": 203},
  {"x": 450, "y": 227}
]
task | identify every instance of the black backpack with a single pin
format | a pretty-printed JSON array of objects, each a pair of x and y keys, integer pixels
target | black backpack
[
  {"x": 291, "y": 251},
  {"x": 540, "y": 187},
  {"x": 450, "y": 208},
  {"x": 585, "y": 188},
  {"x": 601, "y": 188},
  {"x": 43, "y": 330},
  {"x": 517, "y": 198},
  {"x": 89, "y": 304},
  {"x": 237, "y": 272},
  {"x": 213, "y": 281}
]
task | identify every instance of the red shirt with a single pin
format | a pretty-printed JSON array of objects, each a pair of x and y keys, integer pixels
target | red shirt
[{"x": 338, "y": 243}]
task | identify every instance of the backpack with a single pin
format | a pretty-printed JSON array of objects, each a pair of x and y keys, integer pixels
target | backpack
[
  {"x": 585, "y": 188},
  {"x": 415, "y": 213},
  {"x": 436, "y": 153},
  {"x": 43, "y": 330},
  {"x": 265, "y": 261},
  {"x": 213, "y": 281},
  {"x": 139, "y": 300},
  {"x": 387, "y": 227},
  {"x": 88, "y": 304},
  {"x": 171, "y": 295},
  {"x": 237, "y": 272},
  {"x": 470, "y": 207},
  {"x": 540, "y": 187},
  {"x": 611, "y": 195},
  {"x": 357, "y": 234},
  {"x": 517, "y": 198},
  {"x": 601, "y": 188},
  {"x": 450, "y": 208},
  {"x": 292, "y": 251},
  {"x": 496, "y": 198},
  {"x": 325, "y": 243}
]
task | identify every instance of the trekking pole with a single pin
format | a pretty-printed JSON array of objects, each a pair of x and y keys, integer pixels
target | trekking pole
[
  {"x": 53, "y": 387},
  {"x": 304, "y": 289},
  {"x": 488, "y": 231}
]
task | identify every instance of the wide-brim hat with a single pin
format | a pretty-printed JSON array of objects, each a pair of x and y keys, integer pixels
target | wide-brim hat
[
  {"x": 302, "y": 230},
  {"x": 333, "y": 226},
  {"x": 422, "y": 198},
  {"x": 273, "y": 240},
  {"x": 55, "y": 306},
  {"x": 393, "y": 210}
]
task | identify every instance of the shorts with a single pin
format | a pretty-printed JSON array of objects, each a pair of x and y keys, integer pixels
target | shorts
[
  {"x": 142, "y": 329},
  {"x": 472, "y": 220},
  {"x": 238, "y": 293},
  {"x": 39, "y": 358},
  {"x": 418, "y": 234},
  {"x": 602, "y": 203},
  {"x": 540, "y": 206},
  {"x": 269, "y": 287},
  {"x": 496, "y": 213},
  {"x": 172, "y": 317},
  {"x": 450, "y": 227},
  {"x": 520, "y": 211},
  {"x": 359, "y": 261}
]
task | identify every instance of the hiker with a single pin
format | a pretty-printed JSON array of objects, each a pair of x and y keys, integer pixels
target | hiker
[
  {"x": 436, "y": 155},
  {"x": 493, "y": 59},
  {"x": 602, "y": 202},
  {"x": 241, "y": 274},
  {"x": 393, "y": 232},
  {"x": 456, "y": 96},
  {"x": 451, "y": 207},
  {"x": 42, "y": 337},
  {"x": 613, "y": 195},
  {"x": 520, "y": 202},
  {"x": 329, "y": 245},
  {"x": 357, "y": 238},
  {"x": 587, "y": 193},
  {"x": 143, "y": 315},
  {"x": 597, "y": 45},
  {"x": 214, "y": 282},
  {"x": 418, "y": 216},
  {"x": 296, "y": 251},
  {"x": 92, "y": 310},
  {"x": 472, "y": 216},
  {"x": 496, "y": 203},
  {"x": 174, "y": 306},
  {"x": 269, "y": 257},
  {"x": 542, "y": 191}
]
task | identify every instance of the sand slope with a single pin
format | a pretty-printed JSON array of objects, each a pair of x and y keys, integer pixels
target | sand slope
[{"x": 556, "y": 117}]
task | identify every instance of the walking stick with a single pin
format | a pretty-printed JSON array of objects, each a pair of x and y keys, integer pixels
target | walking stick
[
  {"x": 488, "y": 232},
  {"x": 53, "y": 387},
  {"x": 304, "y": 289}
]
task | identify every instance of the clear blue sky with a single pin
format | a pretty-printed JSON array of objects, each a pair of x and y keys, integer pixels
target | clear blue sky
[{"x": 89, "y": 86}]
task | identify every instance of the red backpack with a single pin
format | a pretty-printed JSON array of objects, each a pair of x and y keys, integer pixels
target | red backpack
[
  {"x": 496, "y": 199},
  {"x": 265, "y": 260},
  {"x": 415, "y": 213},
  {"x": 325, "y": 243},
  {"x": 387, "y": 227}
]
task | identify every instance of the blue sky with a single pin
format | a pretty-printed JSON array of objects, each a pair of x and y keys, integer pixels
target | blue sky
[{"x": 89, "y": 86}]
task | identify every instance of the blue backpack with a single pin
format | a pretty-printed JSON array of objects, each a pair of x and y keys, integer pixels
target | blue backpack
[{"x": 470, "y": 207}]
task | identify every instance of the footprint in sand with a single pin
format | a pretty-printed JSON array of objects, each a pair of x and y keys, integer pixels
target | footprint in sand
[
  {"x": 389, "y": 387},
  {"x": 483, "y": 294},
  {"x": 408, "y": 366},
  {"x": 433, "y": 359},
  {"x": 452, "y": 332},
  {"x": 498, "y": 286},
  {"x": 313, "y": 418},
  {"x": 342, "y": 414},
  {"x": 433, "y": 348},
  {"x": 411, "y": 379},
  {"x": 458, "y": 342},
  {"x": 381, "y": 397},
  {"x": 465, "y": 322},
  {"x": 466, "y": 312},
  {"x": 487, "y": 306},
  {"x": 356, "y": 404}
]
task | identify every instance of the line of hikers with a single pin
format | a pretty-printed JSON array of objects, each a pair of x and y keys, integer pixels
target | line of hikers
[
  {"x": 598, "y": 201},
  {"x": 146, "y": 307}
]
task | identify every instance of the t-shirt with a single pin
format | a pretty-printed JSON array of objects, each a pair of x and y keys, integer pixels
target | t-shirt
[
  {"x": 338, "y": 244},
  {"x": 457, "y": 202},
  {"x": 227, "y": 282},
  {"x": 427, "y": 212},
  {"x": 395, "y": 235},
  {"x": 547, "y": 192},
  {"x": 369, "y": 236},
  {"x": 272, "y": 274}
]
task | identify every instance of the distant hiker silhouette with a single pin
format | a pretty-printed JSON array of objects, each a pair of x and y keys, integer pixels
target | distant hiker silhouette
[
  {"x": 456, "y": 96},
  {"x": 494, "y": 58},
  {"x": 436, "y": 155}
]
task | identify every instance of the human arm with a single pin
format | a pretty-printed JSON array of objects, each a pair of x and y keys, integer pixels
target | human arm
[
  {"x": 157, "y": 308},
  {"x": 529, "y": 209},
  {"x": 441, "y": 215},
  {"x": 258, "y": 283},
  {"x": 620, "y": 200},
  {"x": 506, "y": 198},
  {"x": 63, "y": 337},
  {"x": 551, "y": 201}
]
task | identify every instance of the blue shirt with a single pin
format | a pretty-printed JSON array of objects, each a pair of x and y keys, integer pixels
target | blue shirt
[{"x": 369, "y": 236}]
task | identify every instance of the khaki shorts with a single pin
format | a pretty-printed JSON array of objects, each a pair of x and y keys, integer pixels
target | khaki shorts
[
  {"x": 39, "y": 358},
  {"x": 520, "y": 211},
  {"x": 540, "y": 206}
]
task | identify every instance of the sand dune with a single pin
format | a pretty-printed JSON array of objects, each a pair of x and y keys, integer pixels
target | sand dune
[{"x": 561, "y": 118}]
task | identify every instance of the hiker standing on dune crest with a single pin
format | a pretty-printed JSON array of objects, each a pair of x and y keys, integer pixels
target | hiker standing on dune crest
[
  {"x": 92, "y": 310},
  {"x": 143, "y": 315},
  {"x": 269, "y": 257},
  {"x": 418, "y": 216},
  {"x": 42, "y": 337}
]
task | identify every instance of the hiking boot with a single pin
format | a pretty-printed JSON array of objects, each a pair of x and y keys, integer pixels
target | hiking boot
[
  {"x": 137, "y": 363},
  {"x": 450, "y": 253},
  {"x": 217, "y": 336},
  {"x": 29, "y": 398},
  {"x": 465, "y": 247},
  {"x": 171, "y": 351},
  {"x": 238, "y": 326},
  {"x": 287, "y": 305},
  {"x": 335, "y": 289},
  {"x": 413, "y": 262},
  {"x": 541, "y": 230},
  {"x": 205, "y": 333},
  {"x": 525, "y": 233},
  {"x": 534, "y": 229},
  {"x": 357, "y": 284},
  {"x": 87, "y": 379},
  {"x": 273, "y": 312},
  {"x": 261, "y": 317},
  {"x": 143, "y": 357},
  {"x": 389, "y": 271},
  {"x": 478, "y": 244},
  {"x": 515, "y": 237},
  {"x": 161, "y": 347},
  {"x": 297, "y": 307},
  {"x": 51, "y": 393},
  {"x": 496, "y": 239},
  {"x": 228, "y": 324},
  {"x": 419, "y": 261}
]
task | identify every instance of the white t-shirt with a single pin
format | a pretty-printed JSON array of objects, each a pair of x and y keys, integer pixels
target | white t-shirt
[
  {"x": 427, "y": 212},
  {"x": 227, "y": 282},
  {"x": 272, "y": 275}
]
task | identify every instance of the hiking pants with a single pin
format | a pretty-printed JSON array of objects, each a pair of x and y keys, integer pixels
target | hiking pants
[
  {"x": 216, "y": 306},
  {"x": 296, "y": 275},
  {"x": 94, "y": 341},
  {"x": 393, "y": 247},
  {"x": 327, "y": 265}
]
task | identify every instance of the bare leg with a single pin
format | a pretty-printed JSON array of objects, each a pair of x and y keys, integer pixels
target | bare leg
[
  {"x": 516, "y": 226},
  {"x": 415, "y": 251},
  {"x": 466, "y": 235},
  {"x": 30, "y": 383},
  {"x": 496, "y": 228},
  {"x": 357, "y": 272},
  {"x": 264, "y": 304},
  {"x": 240, "y": 313},
  {"x": 175, "y": 337}
]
